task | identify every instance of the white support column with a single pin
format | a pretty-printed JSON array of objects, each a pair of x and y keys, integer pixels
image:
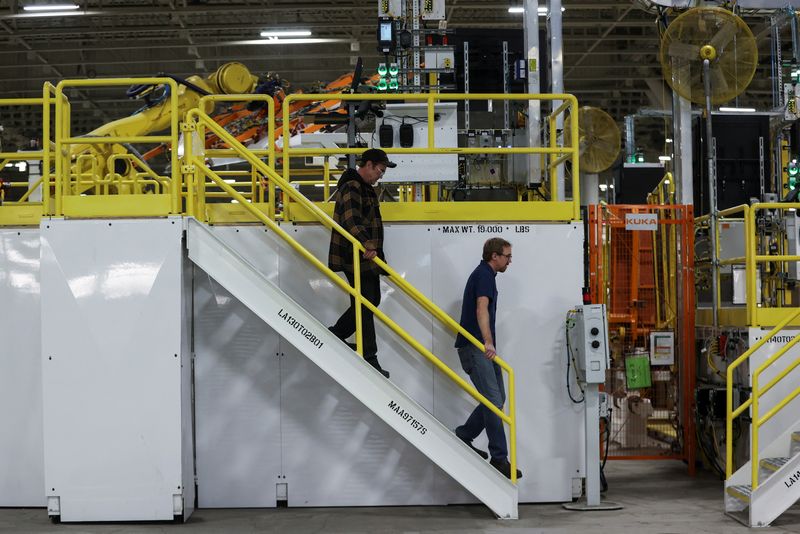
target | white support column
[
  {"x": 531, "y": 25},
  {"x": 590, "y": 189},
  {"x": 556, "y": 72},
  {"x": 682, "y": 149}
]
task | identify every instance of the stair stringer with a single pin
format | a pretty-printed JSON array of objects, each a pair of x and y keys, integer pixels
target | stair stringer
[
  {"x": 759, "y": 508},
  {"x": 385, "y": 399}
]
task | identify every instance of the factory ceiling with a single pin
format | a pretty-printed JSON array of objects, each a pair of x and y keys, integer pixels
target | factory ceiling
[{"x": 610, "y": 48}]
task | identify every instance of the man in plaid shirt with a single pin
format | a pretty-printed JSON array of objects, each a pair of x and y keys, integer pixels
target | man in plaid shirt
[{"x": 358, "y": 211}]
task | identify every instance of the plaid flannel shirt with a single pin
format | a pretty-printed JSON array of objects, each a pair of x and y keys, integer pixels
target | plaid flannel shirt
[{"x": 358, "y": 211}]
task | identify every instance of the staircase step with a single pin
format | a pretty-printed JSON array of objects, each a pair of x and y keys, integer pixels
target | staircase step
[
  {"x": 773, "y": 464},
  {"x": 740, "y": 492}
]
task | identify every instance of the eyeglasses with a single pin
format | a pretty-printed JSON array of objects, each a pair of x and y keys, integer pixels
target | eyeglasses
[{"x": 506, "y": 256}]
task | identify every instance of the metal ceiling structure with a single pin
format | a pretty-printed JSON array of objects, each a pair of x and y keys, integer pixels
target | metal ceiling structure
[{"x": 610, "y": 47}]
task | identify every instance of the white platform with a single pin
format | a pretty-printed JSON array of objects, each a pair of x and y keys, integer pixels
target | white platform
[{"x": 267, "y": 416}]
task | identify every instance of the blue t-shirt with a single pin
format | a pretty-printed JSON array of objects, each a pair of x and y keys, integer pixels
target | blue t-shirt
[{"x": 481, "y": 283}]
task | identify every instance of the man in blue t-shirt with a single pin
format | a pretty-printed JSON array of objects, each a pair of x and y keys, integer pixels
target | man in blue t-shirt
[{"x": 478, "y": 311}]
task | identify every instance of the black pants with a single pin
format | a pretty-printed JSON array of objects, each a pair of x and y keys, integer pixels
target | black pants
[{"x": 346, "y": 325}]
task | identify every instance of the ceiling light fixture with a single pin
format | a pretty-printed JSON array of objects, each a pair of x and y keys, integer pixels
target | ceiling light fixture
[
  {"x": 286, "y": 33},
  {"x": 50, "y": 7},
  {"x": 737, "y": 110},
  {"x": 275, "y": 41},
  {"x": 541, "y": 10}
]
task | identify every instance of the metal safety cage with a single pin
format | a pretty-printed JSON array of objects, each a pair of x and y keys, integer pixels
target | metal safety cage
[{"x": 645, "y": 277}]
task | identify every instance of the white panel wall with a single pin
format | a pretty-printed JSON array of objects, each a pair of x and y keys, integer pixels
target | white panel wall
[
  {"x": 333, "y": 451},
  {"x": 113, "y": 360},
  {"x": 534, "y": 294},
  {"x": 237, "y": 387},
  {"x": 21, "y": 444}
]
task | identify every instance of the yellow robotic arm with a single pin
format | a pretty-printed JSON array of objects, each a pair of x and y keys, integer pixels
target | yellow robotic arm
[{"x": 231, "y": 78}]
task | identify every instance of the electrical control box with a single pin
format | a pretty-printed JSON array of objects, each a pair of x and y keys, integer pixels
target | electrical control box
[
  {"x": 432, "y": 10},
  {"x": 589, "y": 343},
  {"x": 390, "y": 8}
]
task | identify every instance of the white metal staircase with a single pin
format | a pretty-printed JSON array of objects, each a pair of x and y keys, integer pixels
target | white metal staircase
[
  {"x": 386, "y": 400},
  {"x": 778, "y": 483}
]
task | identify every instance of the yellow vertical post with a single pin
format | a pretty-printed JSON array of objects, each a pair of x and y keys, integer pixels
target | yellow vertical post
[
  {"x": 188, "y": 164},
  {"x": 326, "y": 180},
  {"x": 286, "y": 155},
  {"x": 552, "y": 157},
  {"x": 46, "y": 148},
  {"x": 176, "y": 183},
  {"x": 271, "y": 145},
  {"x": 431, "y": 119},
  {"x": 512, "y": 427},
  {"x": 750, "y": 268},
  {"x": 59, "y": 149},
  {"x": 754, "y": 437},
  {"x": 576, "y": 158},
  {"x": 199, "y": 177},
  {"x": 358, "y": 299}
]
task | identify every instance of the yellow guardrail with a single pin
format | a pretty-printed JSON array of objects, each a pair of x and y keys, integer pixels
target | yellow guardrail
[
  {"x": 256, "y": 194},
  {"x": 64, "y": 139},
  {"x": 198, "y": 168},
  {"x": 756, "y": 394},
  {"x": 751, "y": 260},
  {"x": 44, "y": 155},
  {"x": 557, "y": 155}
]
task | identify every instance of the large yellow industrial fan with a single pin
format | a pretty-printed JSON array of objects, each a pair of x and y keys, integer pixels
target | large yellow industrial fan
[
  {"x": 714, "y": 34},
  {"x": 709, "y": 56},
  {"x": 599, "y": 139}
]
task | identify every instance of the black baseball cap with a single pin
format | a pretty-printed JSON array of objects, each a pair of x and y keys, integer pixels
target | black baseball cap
[{"x": 376, "y": 155}]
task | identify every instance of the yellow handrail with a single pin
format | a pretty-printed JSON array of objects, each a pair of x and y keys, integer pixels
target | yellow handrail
[
  {"x": 570, "y": 152},
  {"x": 731, "y": 414},
  {"x": 199, "y": 164}
]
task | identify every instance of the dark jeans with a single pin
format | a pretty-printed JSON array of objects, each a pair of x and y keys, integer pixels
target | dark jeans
[
  {"x": 488, "y": 380},
  {"x": 346, "y": 325}
]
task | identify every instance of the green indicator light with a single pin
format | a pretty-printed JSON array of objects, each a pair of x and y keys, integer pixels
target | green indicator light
[
  {"x": 640, "y": 158},
  {"x": 393, "y": 69},
  {"x": 393, "y": 85},
  {"x": 381, "y": 69},
  {"x": 382, "y": 84},
  {"x": 793, "y": 168}
]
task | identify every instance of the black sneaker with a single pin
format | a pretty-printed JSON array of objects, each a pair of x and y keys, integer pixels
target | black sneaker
[
  {"x": 482, "y": 454},
  {"x": 504, "y": 467}
]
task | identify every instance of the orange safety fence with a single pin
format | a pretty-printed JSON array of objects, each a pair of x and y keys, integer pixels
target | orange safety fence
[{"x": 641, "y": 267}]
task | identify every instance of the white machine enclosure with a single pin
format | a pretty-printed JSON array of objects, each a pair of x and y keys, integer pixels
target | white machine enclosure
[
  {"x": 421, "y": 167},
  {"x": 116, "y": 370},
  {"x": 312, "y": 443},
  {"x": 21, "y": 442}
]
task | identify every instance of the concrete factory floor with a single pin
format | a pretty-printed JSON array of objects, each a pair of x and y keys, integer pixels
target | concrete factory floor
[{"x": 659, "y": 498}]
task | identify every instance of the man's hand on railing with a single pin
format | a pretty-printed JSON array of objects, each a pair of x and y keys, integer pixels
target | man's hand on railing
[
  {"x": 370, "y": 253},
  {"x": 489, "y": 350}
]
